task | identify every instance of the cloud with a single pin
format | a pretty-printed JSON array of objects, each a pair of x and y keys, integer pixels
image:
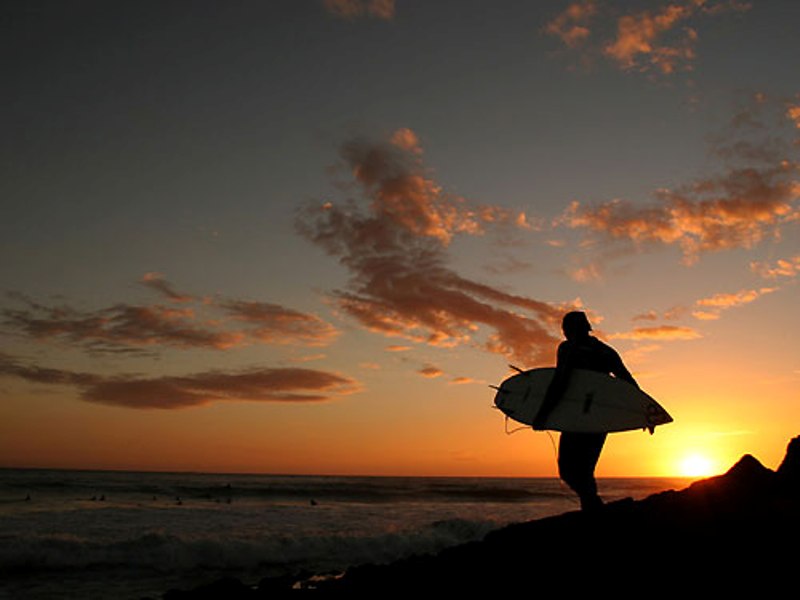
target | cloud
[
  {"x": 207, "y": 324},
  {"x": 783, "y": 267},
  {"x": 259, "y": 385},
  {"x": 397, "y": 348},
  {"x": 157, "y": 282},
  {"x": 722, "y": 301},
  {"x": 660, "y": 332},
  {"x": 172, "y": 392},
  {"x": 571, "y": 26},
  {"x": 118, "y": 327},
  {"x": 640, "y": 41},
  {"x": 736, "y": 210},
  {"x": 352, "y": 9},
  {"x": 711, "y": 307},
  {"x": 275, "y": 324},
  {"x": 430, "y": 371},
  {"x": 793, "y": 114},
  {"x": 705, "y": 309},
  {"x": 650, "y": 315},
  {"x": 394, "y": 243},
  {"x": 753, "y": 198},
  {"x": 392, "y": 174},
  {"x": 10, "y": 367},
  {"x": 659, "y": 41}
]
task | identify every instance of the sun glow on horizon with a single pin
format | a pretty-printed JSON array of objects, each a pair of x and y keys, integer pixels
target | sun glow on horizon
[{"x": 697, "y": 465}]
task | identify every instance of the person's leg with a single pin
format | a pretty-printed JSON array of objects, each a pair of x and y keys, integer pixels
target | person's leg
[{"x": 578, "y": 454}]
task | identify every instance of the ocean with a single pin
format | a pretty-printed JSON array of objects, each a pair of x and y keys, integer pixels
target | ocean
[{"x": 108, "y": 534}]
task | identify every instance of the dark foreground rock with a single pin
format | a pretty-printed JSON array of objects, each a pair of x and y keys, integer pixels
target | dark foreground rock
[{"x": 735, "y": 533}]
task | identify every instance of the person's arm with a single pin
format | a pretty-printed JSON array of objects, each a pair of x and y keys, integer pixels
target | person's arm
[
  {"x": 556, "y": 389},
  {"x": 621, "y": 372}
]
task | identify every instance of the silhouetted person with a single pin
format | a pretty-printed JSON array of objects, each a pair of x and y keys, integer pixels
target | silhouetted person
[{"x": 578, "y": 452}]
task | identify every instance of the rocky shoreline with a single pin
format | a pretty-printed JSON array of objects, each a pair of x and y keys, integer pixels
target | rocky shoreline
[{"x": 735, "y": 532}]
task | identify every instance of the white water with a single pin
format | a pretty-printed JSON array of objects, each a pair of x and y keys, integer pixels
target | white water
[{"x": 130, "y": 535}]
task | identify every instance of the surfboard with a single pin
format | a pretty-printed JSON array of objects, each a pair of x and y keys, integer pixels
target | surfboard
[{"x": 593, "y": 402}]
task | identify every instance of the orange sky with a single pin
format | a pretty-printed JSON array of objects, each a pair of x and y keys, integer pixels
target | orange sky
[{"x": 306, "y": 237}]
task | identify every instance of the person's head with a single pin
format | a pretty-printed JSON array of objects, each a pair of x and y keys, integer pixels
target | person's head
[{"x": 575, "y": 325}]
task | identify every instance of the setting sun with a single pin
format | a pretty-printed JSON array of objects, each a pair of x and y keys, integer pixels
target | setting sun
[{"x": 696, "y": 465}]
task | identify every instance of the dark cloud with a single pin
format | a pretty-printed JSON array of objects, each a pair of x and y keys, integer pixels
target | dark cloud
[
  {"x": 395, "y": 248},
  {"x": 171, "y": 392},
  {"x": 157, "y": 282},
  {"x": 430, "y": 371},
  {"x": 258, "y": 385},
  {"x": 275, "y": 324},
  {"x": 10, "y": 367},
  {"x": 118, "y": 327},
  {"x": 184, "y": 324}
]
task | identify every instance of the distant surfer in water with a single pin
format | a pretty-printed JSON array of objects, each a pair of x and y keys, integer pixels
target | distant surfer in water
[{"x": 578, "y": 453}]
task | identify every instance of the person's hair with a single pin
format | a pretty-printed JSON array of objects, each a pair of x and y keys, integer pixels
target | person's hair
[{"x": 575, "y": 324}]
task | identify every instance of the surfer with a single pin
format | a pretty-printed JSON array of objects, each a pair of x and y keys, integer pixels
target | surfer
[{"x": 578, "y": 452}]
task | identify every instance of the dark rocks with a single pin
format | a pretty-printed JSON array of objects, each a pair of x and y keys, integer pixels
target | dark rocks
[
  {"x": 789, "y": 471},
  {"x": 227, "y": 587}
]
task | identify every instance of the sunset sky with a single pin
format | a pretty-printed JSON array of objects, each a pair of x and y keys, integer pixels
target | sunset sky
[{"x": 305, "y": 236}]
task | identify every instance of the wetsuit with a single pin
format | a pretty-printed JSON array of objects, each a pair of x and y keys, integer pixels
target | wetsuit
[{"x": 578, "y": 452}]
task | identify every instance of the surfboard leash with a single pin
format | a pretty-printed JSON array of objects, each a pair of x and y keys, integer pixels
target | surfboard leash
[{"x": 520, "y": 428}]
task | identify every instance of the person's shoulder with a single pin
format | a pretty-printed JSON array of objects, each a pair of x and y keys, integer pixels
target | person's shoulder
[
  {"x": 600, "y": 344},
  {"x": 565, "y": 348}
]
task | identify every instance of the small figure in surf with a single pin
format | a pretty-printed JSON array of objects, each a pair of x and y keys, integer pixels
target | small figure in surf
[{"x": 578, "y": 452}]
